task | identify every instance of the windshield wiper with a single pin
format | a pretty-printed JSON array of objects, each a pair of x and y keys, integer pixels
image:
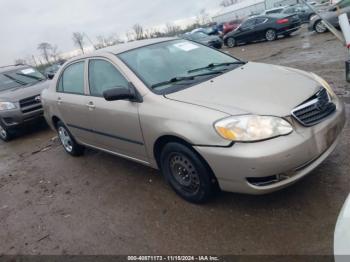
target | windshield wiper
[
  {"x": 184, "y": 78},
  {"x": 31, "y": 76},
  {"x": 16, "y": 80},
  {"x": 213, "y": 65}
]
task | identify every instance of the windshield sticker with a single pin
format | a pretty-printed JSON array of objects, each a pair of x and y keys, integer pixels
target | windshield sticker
[
  {"x": 28, "y": 71},
  {"x": 186, "y": 46}
]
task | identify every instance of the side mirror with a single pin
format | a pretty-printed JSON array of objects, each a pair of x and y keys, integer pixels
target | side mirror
[
  {"x": 118, "y": 93},
  {"x": 50, "y": 76}
]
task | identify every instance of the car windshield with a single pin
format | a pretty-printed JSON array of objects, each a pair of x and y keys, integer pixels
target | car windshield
[
  {"x": 176, "y": 60},
  {"x": 19, "y": 78},
  {"x": 198, "y": 35}
]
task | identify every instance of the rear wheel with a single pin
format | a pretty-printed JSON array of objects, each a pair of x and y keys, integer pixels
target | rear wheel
[
  {"x": 5, "y": 135},
  {"x": 320, "y": 27},
  {"x": 187, "y": 173},
  {"x": 231, "y": 42},
  {"x": 68, "y": 142},
  {"x": 271, "y": 35}
]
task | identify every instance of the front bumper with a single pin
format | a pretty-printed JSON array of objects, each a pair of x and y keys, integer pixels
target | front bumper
[
  {"x": 289, "y": 158},
  {"x": 13, "y": 119}
]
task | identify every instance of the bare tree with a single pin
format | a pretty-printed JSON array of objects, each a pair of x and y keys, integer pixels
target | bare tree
[
  {"x": 45, "y": 49},
  {"x": 20, "y": 61},
  {"x": 130, "y": 36},
  {"x": 55, "y": 54},
  {"x": 138, "y": 29},
  {"x": 78, "y": 39},
  {"x": 203, "y": 17},
  {"x": 172, "y": 29},
  {"x": 111, "y": 40},
  {"x": 226, "y": 3}
]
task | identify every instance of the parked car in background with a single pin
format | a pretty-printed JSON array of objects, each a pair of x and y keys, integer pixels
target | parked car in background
[
  {"x": 303, "y": 11},
  {"x": 20, "y": 101},
  {"x": 276, "y": 10},
  {"x": 260, "y": 27},
  {"x": 203, "y": 117},
  {"x": 230, "y": 26},
  {"x": 208, "y": 40},
  {"x": 51, "y": 70},
  {"x": 214, "y": 30},
  {"x": 331, "y": 15}
]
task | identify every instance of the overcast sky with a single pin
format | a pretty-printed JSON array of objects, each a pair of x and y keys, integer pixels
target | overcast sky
[{"x": 26, "y": 23}]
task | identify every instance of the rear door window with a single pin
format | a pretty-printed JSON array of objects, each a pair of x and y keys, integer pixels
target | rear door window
[
  {"x": 260, "y": 20},
  {"x": 72, "y": 79}
]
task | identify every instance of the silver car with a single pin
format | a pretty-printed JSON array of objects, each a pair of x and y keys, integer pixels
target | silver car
[{"x": 204, "y": 118}]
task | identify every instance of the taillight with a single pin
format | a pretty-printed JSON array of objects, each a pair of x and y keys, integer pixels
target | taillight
[{"x": 282, "y": 21}]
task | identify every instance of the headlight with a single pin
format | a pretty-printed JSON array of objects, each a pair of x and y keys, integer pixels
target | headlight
[
  {"x": 324, "y": 83},
  {"x": 250, "y": 128},
  {"x": 6, "y": 106}
]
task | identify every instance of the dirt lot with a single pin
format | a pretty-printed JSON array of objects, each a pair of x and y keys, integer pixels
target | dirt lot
[{"x": 51, "y": 203}]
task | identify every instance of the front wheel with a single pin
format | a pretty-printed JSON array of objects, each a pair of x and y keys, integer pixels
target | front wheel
[
  {"x": 231, "y": 42},
  {"x": 320, "y": 27},
  {"x": 5, "y": 135},
  {"x": 271, "y": 35},
  {"x": 68, "y": 142},
  {"x": 187, "y": 173}
]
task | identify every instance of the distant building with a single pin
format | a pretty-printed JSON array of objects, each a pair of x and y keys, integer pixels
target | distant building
[
  {"x": 240, "y": 10},
  {"x": 276, "y": 3}
]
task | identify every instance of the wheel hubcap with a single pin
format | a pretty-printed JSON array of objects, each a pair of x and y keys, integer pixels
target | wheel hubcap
[
  {"x": 3, "y": 132},
  {"x": 270, "y": 35},
  {"x": 185, "y": 173},
  {"x": 65, "y": 139},
  {"x": 231, "y": 42},
  {"x": 320, "y": 27}
]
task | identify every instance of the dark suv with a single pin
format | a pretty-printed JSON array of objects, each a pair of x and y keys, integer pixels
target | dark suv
[{"x": 20, "y": 100}]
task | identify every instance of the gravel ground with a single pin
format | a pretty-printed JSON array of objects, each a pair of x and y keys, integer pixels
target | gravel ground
[{"x": 51, "y": 203}]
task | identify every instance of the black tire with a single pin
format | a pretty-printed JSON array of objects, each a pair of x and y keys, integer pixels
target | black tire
[
  {"x": 5, "y": 135},
  {"x": 187, "y": 173},
  {"x": 231, "y": 42},
  {"x": 70, "y": 145},
  {"x": 271, "y": 35}
]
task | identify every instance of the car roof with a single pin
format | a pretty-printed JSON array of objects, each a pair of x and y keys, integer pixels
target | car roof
[
  {"x": 276, "y": 8},
  {"x": 12, "y": 68},
  {"x": 121, "y": 48}
]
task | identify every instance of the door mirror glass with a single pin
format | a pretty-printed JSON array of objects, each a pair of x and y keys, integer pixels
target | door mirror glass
[{"x": 118, "y": 93}]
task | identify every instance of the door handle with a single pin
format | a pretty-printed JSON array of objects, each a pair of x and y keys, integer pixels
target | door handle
[
  {"x": 59, "y": 101},
  {"x": 91, "y": 105}
]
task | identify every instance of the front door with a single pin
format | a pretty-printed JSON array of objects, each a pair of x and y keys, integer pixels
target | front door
[{"x": 115, "y": 124}]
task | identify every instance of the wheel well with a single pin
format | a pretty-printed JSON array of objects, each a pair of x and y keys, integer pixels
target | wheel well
[
  {"x": 55, "y": 120},
  {"x": 162, "y": 141}
]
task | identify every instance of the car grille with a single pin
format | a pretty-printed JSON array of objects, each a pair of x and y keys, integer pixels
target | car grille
[
  {"x": 315, "y": 110},
  {"x": 30, "y": 104}
]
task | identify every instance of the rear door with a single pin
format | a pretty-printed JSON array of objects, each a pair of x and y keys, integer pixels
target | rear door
[
  {"x": 246, "y": 32},
  {"x": 71, "y": 100},
  {"x": 260, "y": 26},
  {"x": 115, "y": 124}
]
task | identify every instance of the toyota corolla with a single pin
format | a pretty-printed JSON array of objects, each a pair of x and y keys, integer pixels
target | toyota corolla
[{"x": 207, "y": 120}]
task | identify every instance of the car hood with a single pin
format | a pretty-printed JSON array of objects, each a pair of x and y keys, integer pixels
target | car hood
[
  {"x": 16, "y": 94},
  {"x": 254, "y": 88}
]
